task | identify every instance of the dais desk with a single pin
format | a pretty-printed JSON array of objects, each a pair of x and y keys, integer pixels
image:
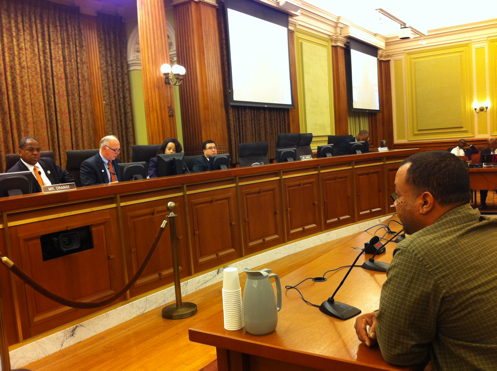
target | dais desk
[
  {"x": 305, "y": 338},
  {"x": 222, "y": 216}
]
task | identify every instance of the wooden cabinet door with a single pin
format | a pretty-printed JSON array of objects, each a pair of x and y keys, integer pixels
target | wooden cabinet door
[
  {"x": 391, "y": 171},
  {"x": 370, "y": 192},
  {"x": 215, "y": 231},
  {"x": 301, "y": 196},
  {"x": 141, "y": 224},
  {"x": 338, "y": 205},
  {"x": 68, "y": 276},
  {"x": 261, "y": 213}
]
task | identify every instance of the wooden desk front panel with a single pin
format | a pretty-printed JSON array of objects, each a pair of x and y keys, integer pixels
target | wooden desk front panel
[
  {"x": 338, "y": 203},
  {"x": 214, "y": 227},
  {"x": 390, "y": 178},
  {"x": 370, "y": 192},
  {"x": 213, "y": 213},
  {"x": 261, "y": 216},
  {"x": 141, "y": 224},
  {"x": 302, "y": 206},
  {"x": 72, "y": 276}
]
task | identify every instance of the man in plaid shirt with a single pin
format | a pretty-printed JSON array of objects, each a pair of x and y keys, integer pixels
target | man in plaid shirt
[{"x": 440, "y": 297}]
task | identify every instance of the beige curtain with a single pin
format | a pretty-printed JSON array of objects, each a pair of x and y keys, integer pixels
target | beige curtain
[
  {"x": 43, "y": 78},
  {"x": 358, "y": 121}
]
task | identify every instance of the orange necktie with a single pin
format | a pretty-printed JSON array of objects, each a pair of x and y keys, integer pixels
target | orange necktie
[
  {"x": 112, "y": 174},
  {"x": 38, "y": 176}
]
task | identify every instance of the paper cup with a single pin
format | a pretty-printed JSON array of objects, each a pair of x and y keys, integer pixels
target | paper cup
[
  {"x": 232, "y": 309},
  {"x": 231, "y": 280}
]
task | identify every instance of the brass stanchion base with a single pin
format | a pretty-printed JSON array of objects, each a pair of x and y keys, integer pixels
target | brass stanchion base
[{"x": 186, "y": 310}]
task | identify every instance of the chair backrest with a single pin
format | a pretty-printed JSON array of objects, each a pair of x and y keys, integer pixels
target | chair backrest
[
  {"x": 189, "y": 161},
  {"x": 450, "y": 149},
  {"x": 463, "y": 158},
  {"x": 11, "y": 159},
  {"x": 304, "y": 145},
  {"x": 141, "y": 152},
  {"x": 251, "y": 153},
  {"x": 336, "y": 140},
  {"x": 74, "y": 160},
  {"x": 475, "y": 158},
  {"x": 287, "y": 140}
]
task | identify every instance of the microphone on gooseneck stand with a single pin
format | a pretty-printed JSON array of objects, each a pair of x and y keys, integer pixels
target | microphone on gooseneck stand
[
  {"x": 372, "y": 265},
  {"x": 338, "y": 309}
]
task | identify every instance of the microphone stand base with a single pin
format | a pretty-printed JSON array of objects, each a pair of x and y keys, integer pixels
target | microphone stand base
[
  {"x": 184, "y": 311},
  {"x": 339, "y": 310},
  {"x": 375, "y": 266}
]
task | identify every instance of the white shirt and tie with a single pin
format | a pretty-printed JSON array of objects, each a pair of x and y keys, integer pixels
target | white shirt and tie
[
  {"x": 38, "y": 169},
  {"x": 458, "y": 151}
]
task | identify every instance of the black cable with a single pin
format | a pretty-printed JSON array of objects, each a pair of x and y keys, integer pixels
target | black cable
[{"x": 289, "y": 287}]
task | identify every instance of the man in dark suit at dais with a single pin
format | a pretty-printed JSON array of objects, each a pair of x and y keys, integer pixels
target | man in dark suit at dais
[
  {"x": 102, "y": 168},
  {"x": 44, "y": 169},
  {"x": 202, "y": 163}
]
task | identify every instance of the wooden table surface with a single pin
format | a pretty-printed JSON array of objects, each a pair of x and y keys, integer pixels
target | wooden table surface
[
  {"x": 305, "y": 336},
  {"x": 483, "y": 178}
]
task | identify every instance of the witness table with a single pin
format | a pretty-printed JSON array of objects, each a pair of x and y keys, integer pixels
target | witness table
[
  {"x": 305, "y": 338},
  {"x": 483, "y": 178}
]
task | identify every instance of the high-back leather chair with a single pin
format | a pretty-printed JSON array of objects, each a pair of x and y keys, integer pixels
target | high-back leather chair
[
  {"x": 141, "y": 152},
  {"x": 304, "y": 145},
  {"x": 336, "y": 140},
  {"x": 11, "y": 159},
  {"x": 287, "y": 140},
  {"x": 74, "y": 160},
  {"x": 250, "y": 154},
  {"x": 189, "y": 161}
]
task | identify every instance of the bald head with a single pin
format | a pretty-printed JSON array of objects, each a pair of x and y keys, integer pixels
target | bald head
[{"x": 492, "y": 144}]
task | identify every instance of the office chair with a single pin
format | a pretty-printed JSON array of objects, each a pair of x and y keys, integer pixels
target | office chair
[
  {"x": 252, "y": 154},
  {"x": 11, "y": 159},
  {"x": 189, "y": 161},
  {"x": 304, "y": 145},
  {"x": 140, "y": 152},
  {"x": 287, "y": 140},
  {"x": 336, "y": 140},
  {"x": 74, "y": 160}
]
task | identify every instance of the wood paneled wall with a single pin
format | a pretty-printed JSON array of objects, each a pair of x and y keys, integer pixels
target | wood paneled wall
[
  {"x": 293, "y": 114},
  {"x": 340, "y": 91},
  {"x": 154, "y": 50},
  {"x": 203, "y": 111},
  {"x": 381, "y": 123},
  {"x": 97, "y": 97}
]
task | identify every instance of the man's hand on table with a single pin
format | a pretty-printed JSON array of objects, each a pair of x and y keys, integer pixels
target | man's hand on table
[{"x": 365, "y": 328}]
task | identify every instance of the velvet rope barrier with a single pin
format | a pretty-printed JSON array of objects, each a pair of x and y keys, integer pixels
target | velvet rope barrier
[{"x": 78, "y": 304}]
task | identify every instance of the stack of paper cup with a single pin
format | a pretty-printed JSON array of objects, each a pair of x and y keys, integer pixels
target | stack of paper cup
[{"x": 232, "y": 300}]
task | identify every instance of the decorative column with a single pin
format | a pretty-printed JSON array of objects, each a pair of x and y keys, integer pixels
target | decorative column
[
  {"x": 340, "y": 86},
  {"x": 203, "y": 110},
  {"x": 154, "y": 50},
  {"x": 384, "y": 118},
  {"x": 293, "y": 114}
]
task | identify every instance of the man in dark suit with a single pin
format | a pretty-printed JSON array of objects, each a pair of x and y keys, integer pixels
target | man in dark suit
[
  {"x": 102, "y": 168},
  {"x": 202, "y": 163},
  {"x": 461, "y": 151},
  {"x": 363, "y": 136},
  {"x": 44, "y": 169},
  {"x": 490, "y": 150}
]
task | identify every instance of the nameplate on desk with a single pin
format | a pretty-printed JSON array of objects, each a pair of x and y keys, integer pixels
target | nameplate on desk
[
  {"x": 305, "y": 157},
  {"x": 58, "y": 187},
  {"x": 382, "y": 149}
]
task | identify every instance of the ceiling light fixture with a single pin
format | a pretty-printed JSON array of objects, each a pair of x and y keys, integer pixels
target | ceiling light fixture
[{"x": 405, "y": 30}]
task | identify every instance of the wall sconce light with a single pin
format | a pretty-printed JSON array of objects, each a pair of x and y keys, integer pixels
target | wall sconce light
[
  {"x": 173, "y": 75},
  {"x": 481, "y": 108}
]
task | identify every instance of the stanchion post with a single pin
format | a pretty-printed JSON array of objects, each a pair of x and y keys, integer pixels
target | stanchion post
[{"x": 178, "y": 310}]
